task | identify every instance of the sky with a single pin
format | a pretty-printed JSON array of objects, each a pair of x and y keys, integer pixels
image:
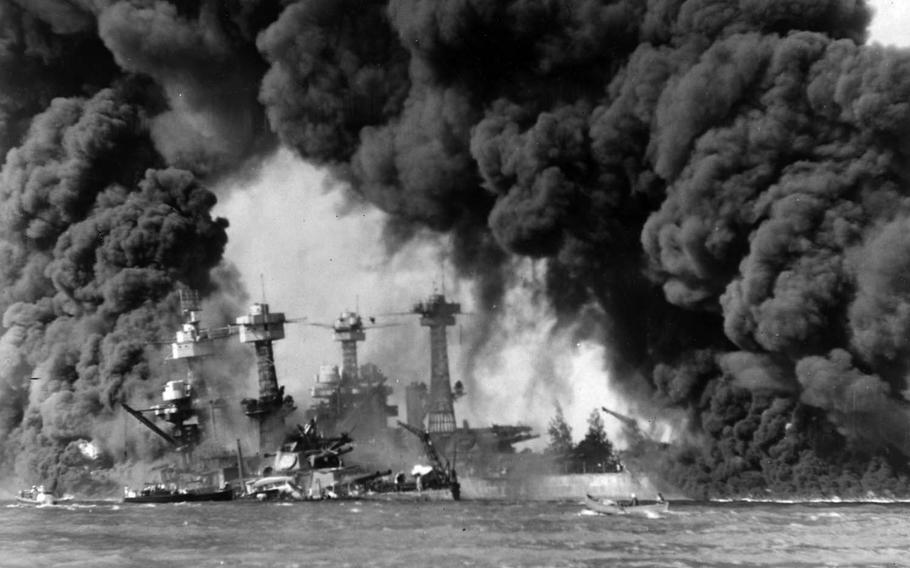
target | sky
[
  {"x": 330, "y": 259},
  {"x": 891, "y": 23}
]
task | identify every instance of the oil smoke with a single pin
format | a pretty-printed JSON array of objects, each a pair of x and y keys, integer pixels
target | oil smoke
[{"x": 718, "y": 186}]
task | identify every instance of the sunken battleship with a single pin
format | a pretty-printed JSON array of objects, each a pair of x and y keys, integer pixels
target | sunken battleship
[
  {"x": 298, "y": 462},
  {"x": 427, "y": 452}
]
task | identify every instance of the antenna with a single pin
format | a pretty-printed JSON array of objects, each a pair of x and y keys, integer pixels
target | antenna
[
  {"x": 442, "y": 273},
  {"x": 262, "y": 285}
]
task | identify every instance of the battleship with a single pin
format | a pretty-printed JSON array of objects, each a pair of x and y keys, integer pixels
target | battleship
[
  {"x": 444, "y": 460},
  {"x": 490, "y": 465},
  {"x": 475, "y": 463},
  {"x": 312, "y": 463}
]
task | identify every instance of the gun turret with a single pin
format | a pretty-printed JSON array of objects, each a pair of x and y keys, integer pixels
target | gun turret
[
  {"x": 370, "y": 476},
  {"x": 342, "y": 440},
  {"x": 508, "y": 435}
]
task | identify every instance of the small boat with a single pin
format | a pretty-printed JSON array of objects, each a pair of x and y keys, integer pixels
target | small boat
[
  {"x": 161, "y": 494},
  {"x": 610, "y": 507},
  {"x": 37, "y": 495}
]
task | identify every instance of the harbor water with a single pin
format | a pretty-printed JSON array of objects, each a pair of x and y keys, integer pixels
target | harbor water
[{"x": 371, "y": 533}]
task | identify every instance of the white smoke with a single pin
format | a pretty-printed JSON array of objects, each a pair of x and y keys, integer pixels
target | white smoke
[
  {"x": 315, "y": 254},
  {"x": 530, "y": 365}
]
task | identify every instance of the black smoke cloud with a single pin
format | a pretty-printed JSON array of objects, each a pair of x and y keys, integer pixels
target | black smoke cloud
[
  {"x": 96, "y": 231},
  {"x": 209, "y": 72},
  {"x": 724, "y": 179},
  {"x": 93, "y": 244},
  {"x": 41, "y": 59}
]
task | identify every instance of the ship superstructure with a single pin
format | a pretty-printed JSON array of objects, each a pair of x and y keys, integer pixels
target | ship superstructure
[
  {"x": 180, "y": 398},
  {"x": 262, "y": 327},
  {"x": 192, "y": 343},
  {"x": 301, "y": 455},
  {"x": 433, "y": 409},
  {"x": 179, "y": 405},
  {"x": 438, "y": 314},
  {"x": 353, "y": 396},
  {"x": 348, "y": 331}
]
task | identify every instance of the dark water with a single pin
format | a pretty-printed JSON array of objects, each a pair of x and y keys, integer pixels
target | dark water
[{"x": 366, "y": 533}]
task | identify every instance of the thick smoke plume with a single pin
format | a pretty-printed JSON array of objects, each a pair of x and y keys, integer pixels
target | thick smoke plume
[
  {"x": 724, "y": 181},
  {"x": 97, "y": 230}
]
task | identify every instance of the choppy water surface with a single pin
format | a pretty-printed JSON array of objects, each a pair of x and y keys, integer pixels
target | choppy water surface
[{"x": 366, "y": 533}]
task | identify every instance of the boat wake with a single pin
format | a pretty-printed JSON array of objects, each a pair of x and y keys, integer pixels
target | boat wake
[
  {"x": 650, "y": 515},
  {"x": 813, "y": 501}
]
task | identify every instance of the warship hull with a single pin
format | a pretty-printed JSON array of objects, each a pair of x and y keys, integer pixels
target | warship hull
[
  {"x": 411, "y": 496},
  {"x": 179, "y": 497},
  {"x": 565, "y": 487}
]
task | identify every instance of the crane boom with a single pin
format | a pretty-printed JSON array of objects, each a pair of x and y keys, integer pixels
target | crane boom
[
  {"x": 428, "y": 446},
  {"x": 151, "y": 425}
]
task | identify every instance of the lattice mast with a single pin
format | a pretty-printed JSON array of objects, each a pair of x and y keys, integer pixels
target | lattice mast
[{"x": 438, "y": 314}]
